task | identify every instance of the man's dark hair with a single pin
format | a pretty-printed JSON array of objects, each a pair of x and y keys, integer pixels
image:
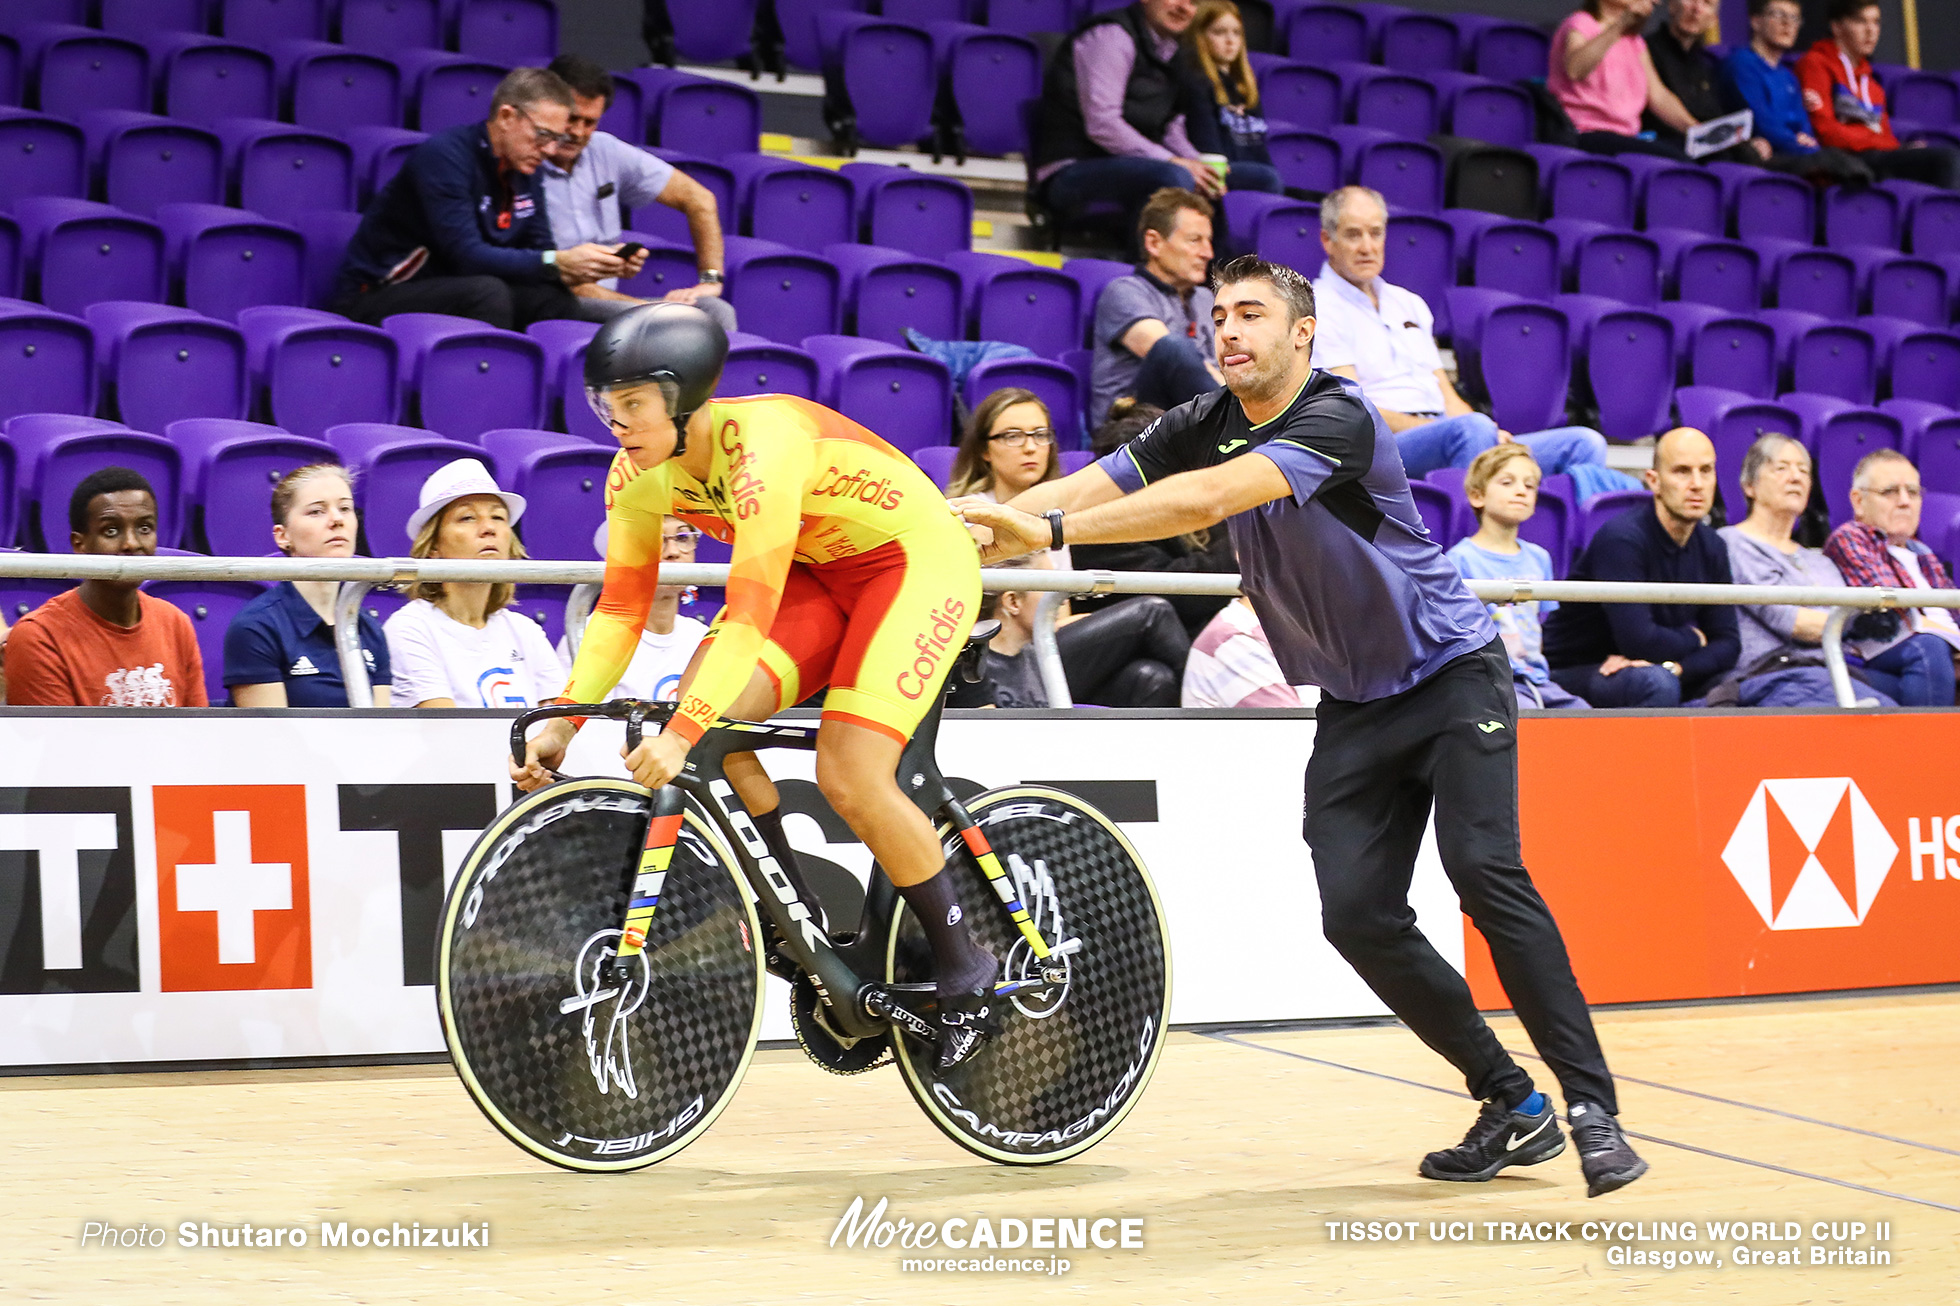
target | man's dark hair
[
  {"x": 1128, "y": 418},
  {"x": 1757, "y": 7},
  {"x": 524, "y": 87},
  {"x": 1295, "y": 289},
  {"x": 585, "y": 77},
  {"x": 1161, "y": 209},
  {"x": 109, "y": 480},
  {"x": 1839, "y": 10}
]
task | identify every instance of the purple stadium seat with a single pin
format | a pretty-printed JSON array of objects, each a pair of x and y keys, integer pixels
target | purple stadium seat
[
  {"x": 711, "y": 33},
  {"x": 283, "y": 171},
  {"x": 212, "y": 605},
  {"x": 1616, "y": 264},
  {"x": 47, "y": 363},
  {"x": 1629, "y": 361},
  {"x": 66, "y": 461},
  {"x": 1030, "y": 15},
  {"x": 1596, "y": 511},
  {"x": 575, "y": 414},
  {"x": 332, "y": 88},
  {"x": 698, "y": 114},
  {"x": 28, "y": 434},
  {"x": 802, "y": 41},
  {"x": 1901, "y": 286},
  {"x": 466, "y": 378},
  {"x": 1422, "y": 253},
  {"x": 140, "y": 161},
  {"x": 201, "y": 79},
  {"x": 230, "y": 468},
  {"x": 1402, "y": 104},
  {"x": 1092, "y": 274},
  {"x": 668, "y": 266},
  {"x": 41, "y": 155},
  {"x": 12, "y": 84},
  {"x": 223, "y": 260},
  {"x": 670, "y": 224},
  {"x": 989, "y": 75},
  {"x": 882, "y": 76},
  {"x": 1015, "y": 301},
  {"x": 1325, "y": 33},
  {"x": 785, "y": 292},
  {"x": 1838, "y": 358},
  {"x": 389, "y": 27},
  {"x": 1408, "y": 173},
  {"x": 1813, "y": 410},
  {"x": 261, "y": 22},
  {"x": 1591, "y": 187},
  {"x": 141, "y": 18},
  {"x": 72, "y": 12},
  {"x": 1771, "y": 204},
  {"x": 1725, "y": 273},
  {"x": 378, "y": 155},
  {"x": 626, "y": 117},
  {"x": 886, "y": 291},
  {"x": 1278, "y": 229},
  {"x": 569, "y": 476},
  {"x": 74, "y": 69},
  {"x": 10, "y": 269},
  {"x": 1867, "y": 216},
  {"x": 1519, "y": 257},
  {"x": 326, "y": 236},
  {"x": 904, "y": 398},
  {"x": 1307, "y": 160},
  {"x": 935, "y": 460},
  {"x": 1508, "y": 52},
  {"x": 1917, "y": 418},
  {"x": 514, "y": 32},
  {"x": 1469, "y": 306},
  {"x": 1926, "y": 366},
  {"x": 1528, "y": 392},
  {"x": 1486, "y": 110},
  {"x": 1922, "y": 97},
  {"x": 158, "y": 363},
  {"x": 1420, "y": 43},
  {"x": 1733, "y": 425},
  {"x": 767, "y": 368},
  {"x": 20, "y": 595},
  {"x": 545, "y": 604},
  {"x": 78, "y": 252},
  {"x": 1841, "y": 441},
  {"x": 1933, "y": 224},
  {"x": 446, "y": 90},
  {"x": 1054, "y": 383},
  {"x": 903, "y": 209},
  {"x": 390, "y": 463},
  {"x": 1299, "y": 94},
  {"x": 313, "y": 370},
  {"x": 560, "y": 338},
  {"x": 1737, "y": 353},
  {"x": 1437, "y": 508},
  {"x": 1683, "y": 197},
  {"x": 793, "y": 203}
]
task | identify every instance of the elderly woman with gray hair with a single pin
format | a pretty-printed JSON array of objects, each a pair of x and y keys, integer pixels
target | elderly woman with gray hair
[{"x": 1781, "y": 664}]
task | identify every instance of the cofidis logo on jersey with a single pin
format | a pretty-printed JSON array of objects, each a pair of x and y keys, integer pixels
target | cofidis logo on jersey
[
  {"x": 931, "y": 646},
  {"x": 835, "y": 483}
]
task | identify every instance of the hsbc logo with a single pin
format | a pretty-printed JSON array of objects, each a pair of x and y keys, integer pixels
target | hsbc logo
[{"x": 1810, "y": 854}]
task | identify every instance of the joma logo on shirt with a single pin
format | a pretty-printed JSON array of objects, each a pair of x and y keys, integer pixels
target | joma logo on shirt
[
  {"x": 879, "y": 494},
  {"x": 743, "y": 485}
]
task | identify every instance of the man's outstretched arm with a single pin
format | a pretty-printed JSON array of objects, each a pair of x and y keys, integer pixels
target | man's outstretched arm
[{"x": 1185, "y": 502}]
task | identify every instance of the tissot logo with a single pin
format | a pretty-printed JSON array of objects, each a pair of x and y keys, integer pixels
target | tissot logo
[{"x": 1810, "y": 854}]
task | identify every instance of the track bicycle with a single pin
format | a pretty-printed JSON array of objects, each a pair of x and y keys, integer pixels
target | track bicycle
[{"x": 600, "y": 959}]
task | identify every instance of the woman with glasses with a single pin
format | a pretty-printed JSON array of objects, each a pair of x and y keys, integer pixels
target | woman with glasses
[{"x": 1129, "y": 654}]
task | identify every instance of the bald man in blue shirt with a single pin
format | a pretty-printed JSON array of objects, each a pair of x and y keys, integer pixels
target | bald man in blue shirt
[{"x": 1416, "y": 704}]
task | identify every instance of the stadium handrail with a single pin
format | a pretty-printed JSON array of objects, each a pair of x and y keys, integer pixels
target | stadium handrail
[{"x": 359, "y": 575}]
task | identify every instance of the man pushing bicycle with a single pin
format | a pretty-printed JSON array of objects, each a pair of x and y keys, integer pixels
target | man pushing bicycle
[{"x": 848, "y": 571}]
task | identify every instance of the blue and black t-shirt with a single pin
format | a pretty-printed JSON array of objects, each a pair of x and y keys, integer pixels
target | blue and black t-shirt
[{"x": 1351, "y": 591}]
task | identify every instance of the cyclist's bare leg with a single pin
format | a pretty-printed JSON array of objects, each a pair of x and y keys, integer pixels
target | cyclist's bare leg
[{"x": 857, "y": 771}]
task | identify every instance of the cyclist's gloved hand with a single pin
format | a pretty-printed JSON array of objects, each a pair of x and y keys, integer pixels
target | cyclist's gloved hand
[
  {"x": 543, "y": 754},
  {"x": 658, "y": 759}
]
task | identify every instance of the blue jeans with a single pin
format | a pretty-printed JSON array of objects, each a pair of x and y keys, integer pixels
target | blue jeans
[
  {"x": 1455, "y": 441},
  {"x": 1802, "y": 687},
  {"x": 1131, "y": 182},
  {"x": 1627, "y": 687},
  {"x": 1917, "y": 672}
]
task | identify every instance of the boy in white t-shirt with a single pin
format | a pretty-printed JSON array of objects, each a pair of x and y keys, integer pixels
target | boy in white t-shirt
[{"x": 1502, "y": 485}]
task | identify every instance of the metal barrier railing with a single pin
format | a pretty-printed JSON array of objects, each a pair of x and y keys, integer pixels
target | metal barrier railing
[{"x": 359, "y": 575}]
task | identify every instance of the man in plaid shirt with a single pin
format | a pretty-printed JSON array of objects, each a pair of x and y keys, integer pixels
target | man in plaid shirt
[{"x": 1879, "y": 547}]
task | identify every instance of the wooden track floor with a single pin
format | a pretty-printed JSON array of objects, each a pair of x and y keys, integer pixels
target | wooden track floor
[{"x": 1245, "y": 1146}]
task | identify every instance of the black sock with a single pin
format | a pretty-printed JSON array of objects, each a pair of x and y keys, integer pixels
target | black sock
[
  {"x": 769, "y": 825},
  {"x": 961, "y": 964}
]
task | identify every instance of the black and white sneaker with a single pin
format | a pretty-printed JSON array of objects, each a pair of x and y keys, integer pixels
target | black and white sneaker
[
  {"x": 1604, "y": 1157},
  {"x": 966, "y": 1022},
  {"x": 1501, "y": 1137}
]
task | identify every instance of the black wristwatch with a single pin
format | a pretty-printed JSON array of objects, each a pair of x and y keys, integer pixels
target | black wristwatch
[{"x": 1054, "y": 516}]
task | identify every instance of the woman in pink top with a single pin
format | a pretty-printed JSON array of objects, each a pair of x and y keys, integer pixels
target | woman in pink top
[{"x": 1603, "y": 75}]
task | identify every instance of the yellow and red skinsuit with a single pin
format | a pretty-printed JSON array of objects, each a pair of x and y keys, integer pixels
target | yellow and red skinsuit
[{"x": 848, "y": 569}]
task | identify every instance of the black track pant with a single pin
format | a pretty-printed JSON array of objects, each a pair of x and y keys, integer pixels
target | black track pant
[
  {"x": 1129, "y": 654},
  {"x": 1375, "y": 770}
]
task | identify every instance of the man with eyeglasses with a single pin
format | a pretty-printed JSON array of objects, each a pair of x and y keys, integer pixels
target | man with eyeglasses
[
  {"x": 1880, "y": 546},
  {"x": 1753, "y": 74},
  {"x": 463, "y": 228}
]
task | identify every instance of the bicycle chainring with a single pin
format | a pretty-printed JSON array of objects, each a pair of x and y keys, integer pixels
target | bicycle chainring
[{"x": 840, "y": 1054}]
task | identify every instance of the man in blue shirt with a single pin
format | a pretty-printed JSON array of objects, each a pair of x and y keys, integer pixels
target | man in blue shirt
[
  {"x": 462, "y": 228},
  {"x": 1416, "y": 705},
  {"x": 1753, "y": 73}
]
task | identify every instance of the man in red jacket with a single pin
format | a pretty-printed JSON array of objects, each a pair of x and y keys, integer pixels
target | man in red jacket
[{"x": 1847, "y": 105}]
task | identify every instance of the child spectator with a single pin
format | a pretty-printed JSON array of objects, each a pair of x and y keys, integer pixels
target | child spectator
[
  {"x": 105, "y": 643},
  {"x": 1217, "y": 39},
  {"x": 1502, "y": 485}
]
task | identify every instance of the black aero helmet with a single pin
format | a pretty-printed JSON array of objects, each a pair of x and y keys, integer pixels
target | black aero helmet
[{"x": 673, "y": 343}]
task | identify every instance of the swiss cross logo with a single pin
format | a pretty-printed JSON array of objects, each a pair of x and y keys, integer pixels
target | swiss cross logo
[
  {"x": 1810, "y": 854},
  {"x": 232, "y": 900}
]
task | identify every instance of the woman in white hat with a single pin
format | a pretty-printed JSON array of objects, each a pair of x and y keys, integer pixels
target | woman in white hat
[{"x": 461, "y": 645}]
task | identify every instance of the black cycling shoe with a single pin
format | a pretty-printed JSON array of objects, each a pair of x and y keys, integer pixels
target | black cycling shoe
[
  {"x": 966, "y": 1021},
  {"x": 1604, "y": 1156},
  {"x": 1501, "y": 1137}
]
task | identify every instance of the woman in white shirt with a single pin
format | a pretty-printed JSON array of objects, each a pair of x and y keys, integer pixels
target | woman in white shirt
[{"x": 461, "y": 645}]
